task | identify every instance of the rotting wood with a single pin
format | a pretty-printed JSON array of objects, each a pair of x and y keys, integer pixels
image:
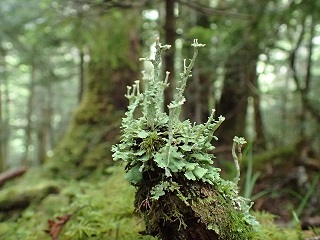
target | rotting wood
[{"x": 13, "y": 173}]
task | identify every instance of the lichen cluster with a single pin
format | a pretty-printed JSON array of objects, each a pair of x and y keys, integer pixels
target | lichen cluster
[{"x": 179, "y": 191}]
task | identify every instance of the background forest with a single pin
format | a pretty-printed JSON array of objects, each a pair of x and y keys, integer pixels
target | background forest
[{"x": 64, "y": 68}]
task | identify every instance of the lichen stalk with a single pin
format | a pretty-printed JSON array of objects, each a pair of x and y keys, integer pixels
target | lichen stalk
[
  {"x": 238, "y": 142},
  {"x": 155, "y": 89}
]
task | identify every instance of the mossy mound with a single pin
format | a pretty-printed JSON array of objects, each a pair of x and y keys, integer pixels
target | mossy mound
[{"x": 101, "y": 207}]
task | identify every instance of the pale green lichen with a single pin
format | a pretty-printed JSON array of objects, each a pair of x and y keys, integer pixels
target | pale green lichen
[{"x": 170, "y": 163}]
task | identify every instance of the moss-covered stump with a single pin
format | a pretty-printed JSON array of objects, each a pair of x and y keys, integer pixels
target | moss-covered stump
[
  {"x": 196, "y": 211},
  {"x": 179, "y": 191}
]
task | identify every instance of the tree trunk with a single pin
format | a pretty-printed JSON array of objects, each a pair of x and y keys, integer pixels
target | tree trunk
[
  {"x": 87, "y": 144},
  {"x": 241, "y": 81},
  {"x": 4, "y": 111},
  {"x": 233, "y": 101},
  {"x": 197, "y": 95},
  {"x": 28, "y": 127},
  {"x": 2, "y": 158},
  {"x": 255, "y": 93},
  {"x": 170, "y": 33},
  {"x": 199, "y": 85},
  {"x": 95, "y": 125},
  {"x": 81, "y": 75},
  {"x": 43, "y": 134}
]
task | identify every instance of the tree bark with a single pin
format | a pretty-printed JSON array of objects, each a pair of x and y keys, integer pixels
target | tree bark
[
  {"x": 197, "y": 95},
  {"x": 203, "y": 214},
  {"x": 241, "y": 82},
  {"x": 81, "y": 75},
  {"x": 42, "y": 136},
  {"x": 2, "y": 158},
  {"x": 255, "y": 94},
  {"x": 30, "y": 105},
  {"x": 170, "y": 38},
  {"x": 233, "y": 101},
  {"x": 95, "y": 125},
  {"x": 4, "y": 111}
]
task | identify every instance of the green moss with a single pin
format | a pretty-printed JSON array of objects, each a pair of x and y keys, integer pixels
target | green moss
[
  {"x": 86, "y": 145},
  {"x": 221, "y": 215},
  {"x": 270, "y": 231},
  {"x": 102, "y": 209}
]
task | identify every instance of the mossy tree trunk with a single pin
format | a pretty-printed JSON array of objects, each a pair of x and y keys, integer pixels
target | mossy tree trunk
[
  {"x": 95, "y": 125},
  {"x": 233, "y": 101},
  {"x": 240, "y": 83}
]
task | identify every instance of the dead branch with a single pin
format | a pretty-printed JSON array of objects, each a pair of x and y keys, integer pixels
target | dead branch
[
  {"x": 207, "y": 10},
  {"x": 13, "y": 173}
]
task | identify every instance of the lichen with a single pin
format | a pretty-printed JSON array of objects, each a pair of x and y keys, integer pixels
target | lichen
[{"x": 179, "y": 190}]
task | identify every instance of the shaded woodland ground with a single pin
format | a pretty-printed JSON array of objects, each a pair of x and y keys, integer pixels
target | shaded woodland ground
[{"x": 259, "y": 70}]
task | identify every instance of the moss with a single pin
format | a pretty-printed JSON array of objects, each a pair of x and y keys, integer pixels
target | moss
[
  {"x": 101, "y": 208},
  {"x": 15, "y": 198},
  {"x": 86, "y": 146},
  {"x": 197, "y": 206},
  {"x": 219, "y": 214},
  {"x": 270, "y": 231},
  {"x": 109, "y": 212}
]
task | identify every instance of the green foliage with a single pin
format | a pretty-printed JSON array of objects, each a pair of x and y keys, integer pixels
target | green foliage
[
  {"x": 298, "y": 226},
  {"x": 308, "y": 194},
  {"x": 165, "y": 156},
  {"x": 315, "y": 230}
]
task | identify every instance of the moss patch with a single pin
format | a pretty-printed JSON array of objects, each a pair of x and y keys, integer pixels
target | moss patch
[
  {"x": 102, "y": 208},
  {"x": 108, "y": 211}
]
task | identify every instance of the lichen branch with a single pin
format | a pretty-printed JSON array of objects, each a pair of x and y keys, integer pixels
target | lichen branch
[{"x": 238, "y": 142}]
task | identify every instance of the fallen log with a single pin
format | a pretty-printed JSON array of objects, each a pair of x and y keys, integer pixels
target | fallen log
[
  {"x": 13, "y": 173},
  {"x": 20, "y": 197}
]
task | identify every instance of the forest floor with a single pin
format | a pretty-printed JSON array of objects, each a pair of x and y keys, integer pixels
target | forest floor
[
  {"x": 280, "y": 182},
  {"x": 101, "y": 206}
]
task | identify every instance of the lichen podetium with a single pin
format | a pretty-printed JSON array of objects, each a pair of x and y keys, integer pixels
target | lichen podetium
[{"x": 179, "y": 192}]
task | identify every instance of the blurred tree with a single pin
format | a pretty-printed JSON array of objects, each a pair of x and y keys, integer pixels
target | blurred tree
[
  {"x": 113, "y": 65},
  {"x": 4, "y": 109},
  {"x": 30, "y": 49},
  {"x": 306, "y": 22},
  {"x": 246, "y": 40},
  {"x": 199, "y": 91},
  {"x": 170, "y": 38}
]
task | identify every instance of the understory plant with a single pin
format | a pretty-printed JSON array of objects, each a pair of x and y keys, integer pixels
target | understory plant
[{"x": 179, "y": 191}]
